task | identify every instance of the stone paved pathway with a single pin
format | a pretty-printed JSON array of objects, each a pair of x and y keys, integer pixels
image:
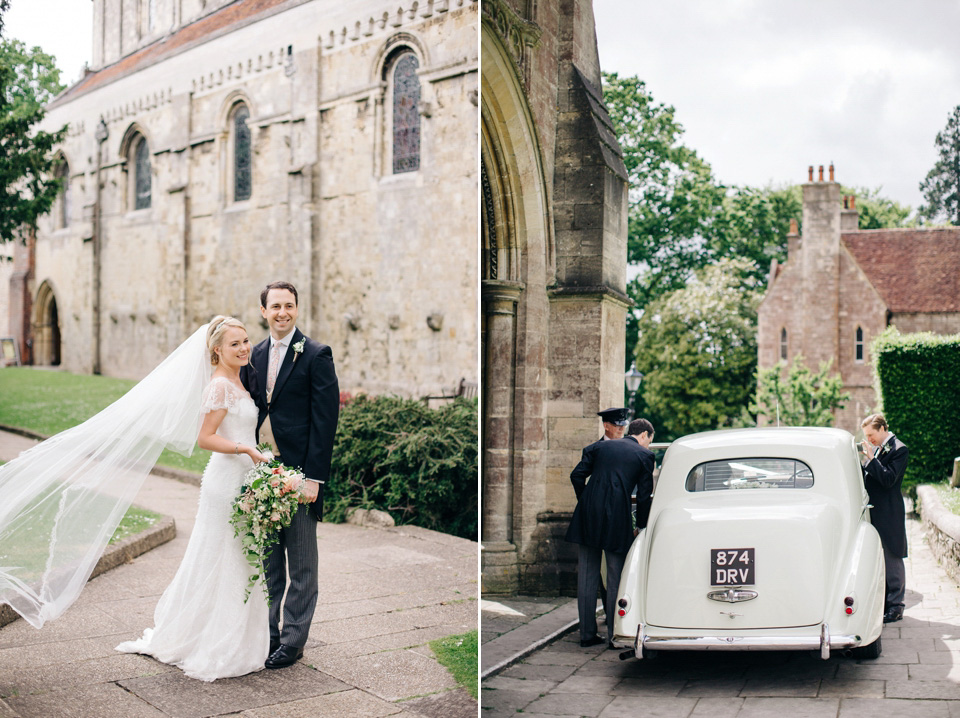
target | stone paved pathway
[
  {"x": 918, "y": 675},
  {"x": 384, "y": 594}
]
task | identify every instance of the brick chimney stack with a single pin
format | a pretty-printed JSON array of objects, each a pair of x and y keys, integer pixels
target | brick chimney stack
[
  {"x": 793, "y": 238},
  {"x": 818, "y": 257},
  {"x": 849, "y": 216},
  {"x": 831, "y": 171},
  {"x": 820, "y": 174}
]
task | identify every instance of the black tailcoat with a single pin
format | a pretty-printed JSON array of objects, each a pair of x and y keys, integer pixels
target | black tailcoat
[
  {"x": 602, "y": 516},
  {"x": 882, "y": 476},
  {"x": 305, "y": 405}
]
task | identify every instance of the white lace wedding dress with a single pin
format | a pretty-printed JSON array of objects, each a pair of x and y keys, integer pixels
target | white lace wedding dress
[{"x": 201, "y": 623}]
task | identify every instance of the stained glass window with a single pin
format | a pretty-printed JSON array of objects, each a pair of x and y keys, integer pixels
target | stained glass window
[
  {"x": 406, "y": 114},
  {"x": 858, "y": 345},
  {"x": 141, "y": 158},
  {"x": 242, "y": 162}
]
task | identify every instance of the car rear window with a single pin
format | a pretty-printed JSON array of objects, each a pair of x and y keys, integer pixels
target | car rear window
[{"x": 750, "y": 474}]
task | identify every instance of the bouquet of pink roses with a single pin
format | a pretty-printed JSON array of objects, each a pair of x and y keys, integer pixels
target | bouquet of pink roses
[{"x": 267, "y": 503}]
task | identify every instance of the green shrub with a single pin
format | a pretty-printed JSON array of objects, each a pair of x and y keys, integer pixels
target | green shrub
[
  {"x": 918, "y": 384},
  {"x": 398, "y": 455}
]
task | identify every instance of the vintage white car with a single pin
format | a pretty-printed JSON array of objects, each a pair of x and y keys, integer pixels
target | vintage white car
[{"x": 758, "y": 539}]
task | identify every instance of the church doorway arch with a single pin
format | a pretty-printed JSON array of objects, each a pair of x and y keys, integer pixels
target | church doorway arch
[
  {"x": 516, "y": 251},
  {"x": 46, "y": 328}
]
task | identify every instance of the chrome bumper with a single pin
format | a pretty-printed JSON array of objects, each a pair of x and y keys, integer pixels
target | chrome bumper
[{"x": 753, "y": 641}]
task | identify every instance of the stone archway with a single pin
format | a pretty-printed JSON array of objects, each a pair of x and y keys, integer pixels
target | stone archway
[
  {"x": 46, "y": 328},
  {"x": 516, "y": 251}
]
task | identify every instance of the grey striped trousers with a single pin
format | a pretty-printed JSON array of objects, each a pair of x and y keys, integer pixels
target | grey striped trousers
[{"x": 296, "y": 551}]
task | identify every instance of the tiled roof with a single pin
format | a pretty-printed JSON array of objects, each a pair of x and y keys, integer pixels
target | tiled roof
[
  {"x": 914, "y": 270},
  {"x": 235, "y": 13}
]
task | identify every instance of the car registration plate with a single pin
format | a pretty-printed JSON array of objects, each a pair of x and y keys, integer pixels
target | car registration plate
[{"x": 732, "y": 567}]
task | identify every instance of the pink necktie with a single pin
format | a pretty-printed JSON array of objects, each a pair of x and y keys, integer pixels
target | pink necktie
[{"x": 274, "y": 367}]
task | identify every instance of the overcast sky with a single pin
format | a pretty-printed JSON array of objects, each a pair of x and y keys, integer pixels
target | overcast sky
[
  {"x": 765, "y": 88},
  {"x": 63, "y": 28}
]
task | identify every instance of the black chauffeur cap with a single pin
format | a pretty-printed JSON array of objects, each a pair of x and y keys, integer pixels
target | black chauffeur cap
[{"x": 617, "y": 417}]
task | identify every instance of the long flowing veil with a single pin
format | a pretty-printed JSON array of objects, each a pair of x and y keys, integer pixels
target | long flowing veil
[{"x": 61, "y": 500}]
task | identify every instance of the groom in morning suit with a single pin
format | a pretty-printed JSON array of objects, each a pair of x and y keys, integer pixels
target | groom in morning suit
[{"x": 295, "y": 386}]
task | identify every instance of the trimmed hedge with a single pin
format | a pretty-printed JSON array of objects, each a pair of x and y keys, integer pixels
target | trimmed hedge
[
  {"x": 918, "y": 385},
  {"x": 400, "y": 456}
]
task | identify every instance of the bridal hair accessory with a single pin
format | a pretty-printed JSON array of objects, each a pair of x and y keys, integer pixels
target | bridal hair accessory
[{"x": 63, "y": 498}]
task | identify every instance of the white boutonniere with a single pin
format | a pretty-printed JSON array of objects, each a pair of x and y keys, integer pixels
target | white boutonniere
[{"x": 298, "y": 349}]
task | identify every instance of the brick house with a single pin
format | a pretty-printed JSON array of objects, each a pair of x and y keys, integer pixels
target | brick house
[{"x": 841, "y": 286}]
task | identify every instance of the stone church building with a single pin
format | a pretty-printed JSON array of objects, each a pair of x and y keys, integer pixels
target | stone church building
[
  {"x": 217, "y": 145},
  {"x": 841, "y": 286},
  {"x": 553, "y": 276}
]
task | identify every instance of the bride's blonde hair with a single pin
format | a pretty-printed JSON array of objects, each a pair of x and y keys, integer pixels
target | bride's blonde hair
[{"x": 218, "y": 325}]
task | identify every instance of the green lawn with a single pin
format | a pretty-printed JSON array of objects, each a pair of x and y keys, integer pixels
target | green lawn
[
  {"x": 133, "y": 522},
  {"x": 48, "y": 402},
  {"x": 459, "y": 655}
]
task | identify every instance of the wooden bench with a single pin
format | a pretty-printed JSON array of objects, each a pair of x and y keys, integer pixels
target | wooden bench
[{"x": 464, "y": 389}]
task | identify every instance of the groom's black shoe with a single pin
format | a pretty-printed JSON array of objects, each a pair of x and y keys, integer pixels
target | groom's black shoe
[
  {"x": 283, "y": 657},
  {"x": 274, "y": 645}
]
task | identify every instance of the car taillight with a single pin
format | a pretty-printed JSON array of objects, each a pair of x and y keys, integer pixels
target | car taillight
[
  {"x": 623, "y": 603},
  {"x": 848, "y": 602}
]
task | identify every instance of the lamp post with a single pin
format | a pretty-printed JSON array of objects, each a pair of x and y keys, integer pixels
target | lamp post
[{"x": 632, "y": 379}]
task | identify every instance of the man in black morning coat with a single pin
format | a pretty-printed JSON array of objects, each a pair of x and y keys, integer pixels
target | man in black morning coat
[
  {"x": 601, "y": 522},
  {"x": 294, "y": 383},
  {"x": 882, "y": 476}
]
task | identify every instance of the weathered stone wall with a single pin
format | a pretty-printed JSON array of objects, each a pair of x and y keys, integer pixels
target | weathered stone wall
[
  {"x": 946, "y": 323},
  {"x": 942, "y": 528},
  {"x": 560, "y": 206},
  {"x": 372, "y": 253}
]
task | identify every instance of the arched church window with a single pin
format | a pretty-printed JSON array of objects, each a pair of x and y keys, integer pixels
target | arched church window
[
  {"x": 242, "y": 156},
  {"x": 61, "y": 208},
  {"x": 783, "y": 344},
  {"x": 858, "y": 345},
  {"x": 142, "y": 179},
  {"x": 406, "y": 113}
]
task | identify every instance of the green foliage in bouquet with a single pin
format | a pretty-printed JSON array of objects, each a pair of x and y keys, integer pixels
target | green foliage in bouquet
[
  {"x": 918, "y": 385},
  {"x": 398, "y": 455},
  {"x": 267, "y": 502}
]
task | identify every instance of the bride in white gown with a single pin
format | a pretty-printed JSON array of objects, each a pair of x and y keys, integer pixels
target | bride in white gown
[
  {"x": 201, "y": 623},
  {"x": 63, "y": 499}
]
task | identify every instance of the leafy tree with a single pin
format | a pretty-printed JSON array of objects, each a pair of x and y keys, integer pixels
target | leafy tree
[
  {"x": 37, "y": 75},
  {"x": 673, "y": 196},
  {"x": 802, "y": 397},
  {"x": 753, "y": 224},
  {"x": 698, "y": 351},
  {"x": 28, "y": 78},
  {"x": 941, "y": 187}
]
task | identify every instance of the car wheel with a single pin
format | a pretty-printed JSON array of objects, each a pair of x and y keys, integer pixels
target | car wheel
[{"x": 868, "y": 652}]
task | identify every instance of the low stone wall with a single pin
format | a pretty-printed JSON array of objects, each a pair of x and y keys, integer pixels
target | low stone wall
[
  {"x": 115, "y": 554},
  {"x": 943, "y": 530}
]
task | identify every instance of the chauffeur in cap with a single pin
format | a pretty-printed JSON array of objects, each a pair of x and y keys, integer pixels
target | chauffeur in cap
[
  {"x": 601, "y": 523},
  {"x": 615, "y": 423}
]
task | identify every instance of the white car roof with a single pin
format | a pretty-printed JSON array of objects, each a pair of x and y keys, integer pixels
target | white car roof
[{"x": 767, "y": 438}]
